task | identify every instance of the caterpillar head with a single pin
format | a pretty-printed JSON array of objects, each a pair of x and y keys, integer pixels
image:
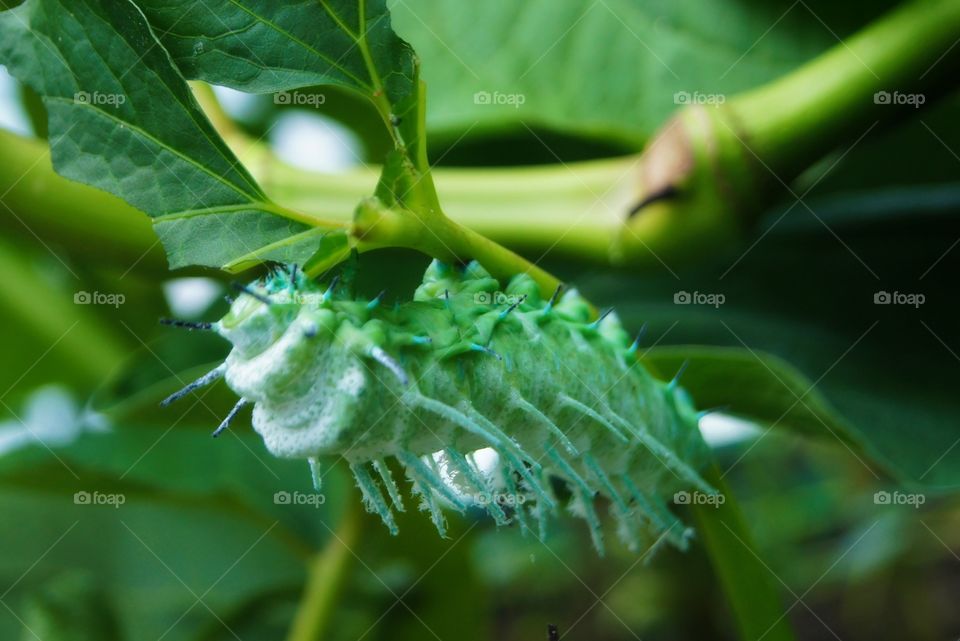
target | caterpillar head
[{"x": 298, "y": 355}]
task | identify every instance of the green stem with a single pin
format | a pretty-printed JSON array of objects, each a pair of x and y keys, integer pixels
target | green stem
[
  {"x": 377, "y": 226},
  {"x": 747, "y": 581},
  {"x": 724, "y": 165},
  {"x": 325, "y": 575},
  {"x": 794, "y": 120}
]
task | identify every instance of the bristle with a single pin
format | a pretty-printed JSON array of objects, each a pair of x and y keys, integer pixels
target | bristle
[
  {"x": 432, "y": 479},
  {"x": 531, "y": 409},
  {"x": 381, "y": 467},
  {"x": 486, "y": 350},
  {"x": 453, "y": 415},
  {"x": 243, "y": 289},
  {"x": 190, "y": 325},
  {"x": 372, "y": 497},
  {"x": 376, "y": 300},
  {"x": 203, "y": 381},
  {"x": 327, "y": 295},
  {"x": 315, "y": 475},
  {"x": 507, "y": 311},
  {"x": 553, "y": 299},
  {"x": 474, "y": 478},
  {"x": 593, "y": 414},
  {"x": 636, "y": 342},
  {"x": 226, "y": 422},
  {"x": 672, "y": 385},
  {"x": 595, "y": 324}
]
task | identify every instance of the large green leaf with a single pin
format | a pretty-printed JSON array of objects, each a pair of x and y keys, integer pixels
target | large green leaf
[
  {"x": 264, "y": 46},
  {"x": 123, "y": 119},
  {"x": 606, "y": 69},
  {"x": 804, "y": 290}
]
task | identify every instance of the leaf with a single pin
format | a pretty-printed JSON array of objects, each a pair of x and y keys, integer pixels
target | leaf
[
  {"x": 264, "y": 46},
  {"x": 755, "y": 385},
  {"x": 123, "y": 119},
  {"x": 609, "y": 69},
  {"x": 804, "y": 290}
]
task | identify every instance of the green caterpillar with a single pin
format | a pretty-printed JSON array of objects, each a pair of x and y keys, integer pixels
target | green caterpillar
[{"x": 463, "y": 367}]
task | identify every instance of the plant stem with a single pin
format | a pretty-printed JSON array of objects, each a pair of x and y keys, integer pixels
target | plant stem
[
  {"x": 325, "y": 575},
  {"x": 746, "y": 579},
  {"x": 794, "y": 120},
  {"x": 723, "y": 165}
]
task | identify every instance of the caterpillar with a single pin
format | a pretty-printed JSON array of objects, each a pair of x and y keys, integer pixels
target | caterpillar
[{"x": 560, "y": 398}]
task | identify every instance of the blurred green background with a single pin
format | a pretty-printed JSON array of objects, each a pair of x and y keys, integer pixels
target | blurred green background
[{"x": 200, "y": 549}]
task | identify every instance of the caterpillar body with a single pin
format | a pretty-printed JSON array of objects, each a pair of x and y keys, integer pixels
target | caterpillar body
[{"x": 464, "y": 366}]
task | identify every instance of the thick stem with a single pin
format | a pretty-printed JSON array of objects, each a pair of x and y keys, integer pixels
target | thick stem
[
  {"x": 325, "y": 575},
  {"x": 791, "y": 122},
  {"x": 716, "y": 168},
  {"x": 376, "y": 226}
]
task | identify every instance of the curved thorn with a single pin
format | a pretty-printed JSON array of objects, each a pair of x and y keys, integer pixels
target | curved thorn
[
  {"x": 376, "y": 300},
  {"x": 486, "y": 350},
  {"x": 553, "y": 299}
]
